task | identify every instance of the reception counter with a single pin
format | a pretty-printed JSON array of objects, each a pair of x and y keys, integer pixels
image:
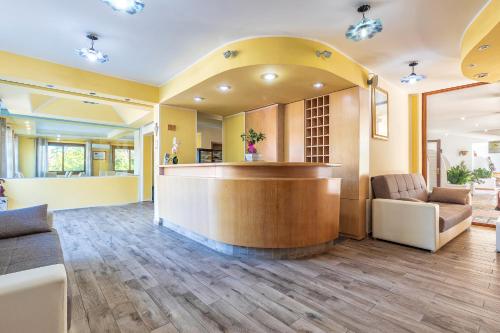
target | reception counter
[{"x": 277, "y": 210}]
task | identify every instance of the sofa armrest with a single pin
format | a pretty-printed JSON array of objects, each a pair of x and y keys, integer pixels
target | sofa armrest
[
  {"x": 410, "y": 223},
  {"x": 34, "y": 300}
]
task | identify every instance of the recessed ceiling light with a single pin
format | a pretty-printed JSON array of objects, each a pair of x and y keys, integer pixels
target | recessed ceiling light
[
  {"x": 481, "y": 75},
  {"x": 413, "y": 77},
  {"x": 126, "y": 6},
  {"x": 91, "y": 54},
  {"x": 127, "y": 99},
  {"x": 462, "y": 118},
  {"x": 486, "y": 130},
  {"x": 90, "y": 102},
  {"x": 198, "y": 99},
  {"x": 224, "y": 87},
  {"x": 364, "y": 29},
  {"x": 483, "y": 47},
  {"x": 472, "y": 65},
  {"x": 27, "y": 122},
  {"x": 318, "y": 85},
  {"x": 269, "y": 76},
  {"x": 476, "y": 125},
  {"x": 50, "y": 86},
  {"x": 92, "y": 93}
]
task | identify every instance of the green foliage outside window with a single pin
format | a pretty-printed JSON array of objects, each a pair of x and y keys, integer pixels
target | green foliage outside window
[
  {"x": 124, "y": 159},
  {"x": 66, "y": 157}
]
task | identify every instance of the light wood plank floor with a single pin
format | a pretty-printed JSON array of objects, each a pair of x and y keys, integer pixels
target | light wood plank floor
[{"x": 128, "y": 275}]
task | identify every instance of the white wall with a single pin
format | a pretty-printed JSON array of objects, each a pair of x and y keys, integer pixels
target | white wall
[{"x": 209, "y": 135}]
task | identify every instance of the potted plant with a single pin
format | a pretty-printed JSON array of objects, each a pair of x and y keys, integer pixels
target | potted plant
[
  {"x": 2, "y": 189},
  {"x": 252, "y": 138},
  {"x": 459, "y": 175}
]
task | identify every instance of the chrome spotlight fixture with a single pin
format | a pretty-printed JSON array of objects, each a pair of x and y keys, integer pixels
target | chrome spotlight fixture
[
  {"x": 230, "y": 54},
  {"x": 364, "y": 29},
  {"x": 323, "y": 54},
  {"x": 413, "y": 77},
  {"x": 127, "y": 6},
  {"x": 91, "y": 54}
]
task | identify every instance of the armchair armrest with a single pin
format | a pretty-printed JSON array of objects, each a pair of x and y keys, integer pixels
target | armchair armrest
[
  {"x": 411, "y": 223},
  {"x": 34, "y": 300}
]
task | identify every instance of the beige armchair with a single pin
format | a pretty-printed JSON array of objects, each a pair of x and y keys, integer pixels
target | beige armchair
[{"x": 404, "y": 212}]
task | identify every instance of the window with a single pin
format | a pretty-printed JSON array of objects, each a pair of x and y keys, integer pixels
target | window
[
  {"x": 64, "y": 157},
  {"x": 123, "y": 159}
]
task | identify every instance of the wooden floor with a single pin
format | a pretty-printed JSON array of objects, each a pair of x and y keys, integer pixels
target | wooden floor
[{"x": 128, "y": 275}]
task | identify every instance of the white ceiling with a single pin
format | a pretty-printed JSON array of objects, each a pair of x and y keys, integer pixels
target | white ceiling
[
  {"x": 467, "y": 112},
  {"x": 170, "y": 35}
]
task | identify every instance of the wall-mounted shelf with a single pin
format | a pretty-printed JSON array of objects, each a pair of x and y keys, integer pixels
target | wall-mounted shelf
[{"x": 317, "y": 129}]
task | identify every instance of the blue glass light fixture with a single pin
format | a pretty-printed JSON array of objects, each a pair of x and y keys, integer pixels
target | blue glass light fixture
[
  {"x": 127, "y": 6},
  {"x": 413, "y": 77},
  {"x": 91, "y": 54},
  {"x": 364, "y": 29}
]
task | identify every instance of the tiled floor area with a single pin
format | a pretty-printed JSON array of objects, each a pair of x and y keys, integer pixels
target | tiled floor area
[{"x": 128, "y": 275}]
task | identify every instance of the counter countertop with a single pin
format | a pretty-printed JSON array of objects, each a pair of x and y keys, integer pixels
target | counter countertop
[{"x": 253, "y": 164}]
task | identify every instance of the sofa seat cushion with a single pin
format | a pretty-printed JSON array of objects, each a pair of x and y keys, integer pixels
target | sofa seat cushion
[
  {"x": 452, "y": 214},
  {"x": 30, "y": 251}
]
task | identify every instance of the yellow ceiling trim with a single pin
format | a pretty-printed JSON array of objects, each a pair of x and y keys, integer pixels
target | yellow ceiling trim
[
  {"x": 484, "y": 30},
  {"x": 37, "y": 72},
  {"x": 265, "y": 51}
]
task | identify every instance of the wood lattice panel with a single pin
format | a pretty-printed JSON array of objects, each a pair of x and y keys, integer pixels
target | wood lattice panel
[{"x": 317, "y": 129}]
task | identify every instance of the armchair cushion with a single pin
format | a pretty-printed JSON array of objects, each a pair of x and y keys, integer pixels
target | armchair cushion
[
  {"x": 450, "y": 195},
  {"x": 25, "y": 221},
  {"x": 452, "y": 214}
]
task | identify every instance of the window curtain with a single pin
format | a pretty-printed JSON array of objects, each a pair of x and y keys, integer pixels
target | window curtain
[
  {"x": 42, "y": 159},
  {"x": 111, "y": 167},
  {"x": 88, "y": 158},
  {"x": 8, "y": 153}
]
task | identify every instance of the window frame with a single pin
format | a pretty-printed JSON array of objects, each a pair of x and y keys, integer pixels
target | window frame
[
  {"x": 63, "y": 145},
  {"x": 130, "y": 165}
]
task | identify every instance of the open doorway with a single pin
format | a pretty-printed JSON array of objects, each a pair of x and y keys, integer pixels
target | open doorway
[{"x": 462, "y": 144}]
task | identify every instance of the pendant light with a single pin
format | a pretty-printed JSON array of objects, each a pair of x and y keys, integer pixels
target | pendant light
[
  {"x": 413, "y": 77},
  {"x": 127, "y": 6},
  {"x": 91, "y": 54},
  {"x": 364, "y": 29}
]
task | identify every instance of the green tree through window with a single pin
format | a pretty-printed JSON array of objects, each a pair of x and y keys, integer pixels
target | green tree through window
[
  {"x": 124, "y": 159},
  {"x": 64, "y": 157}
]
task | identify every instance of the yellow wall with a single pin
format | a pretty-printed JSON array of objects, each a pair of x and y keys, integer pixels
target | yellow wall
[
  {"x": 147, "y": 167},
  {"x": 233, "y": 148},
  {"x": 27, "y": 156},
  {"x": 415, "y": 133},
  {"x": 77, "y": 192},
  {"x": 185, "y": 132},
  {"x": 392, "y": 156}
]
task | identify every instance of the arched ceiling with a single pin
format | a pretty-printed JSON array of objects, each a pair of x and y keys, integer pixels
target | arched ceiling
[{"x": 169, "y": 36}]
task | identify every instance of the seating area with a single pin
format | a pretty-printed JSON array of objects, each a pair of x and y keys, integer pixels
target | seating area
[{"x": 192, "y": 166}]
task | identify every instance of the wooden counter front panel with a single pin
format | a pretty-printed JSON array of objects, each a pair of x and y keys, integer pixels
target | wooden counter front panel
[{"x": 261, "y": 213}]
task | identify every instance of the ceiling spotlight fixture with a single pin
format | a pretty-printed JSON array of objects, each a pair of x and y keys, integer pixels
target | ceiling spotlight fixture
[
  {"x": 462, "y": 118},
  {"x": 364, "y": 29},
  {"x": 413, "y": 77},
  {"x": 318, "y": 85},
  {"x": 483, "y": 47},
  {"x": 477, "y": 125},
  {"x": 323, "y": 54},
  {"x": 91, "y": 54},
  {"x": 230, "y": 54},
  {"x": 198, "y": 99},
  {"x": 49, "y": 86},
  {"x": 472, "y": 65},
  {"x": 127, "y": 6},
  {"x": 92, "y": 93},
  {"x": 224, "y": 88},
  {"x": 269, "y": 76},
  {"x": 372, "y": 80},
  {"x": 485, "y": 130},
  {"x": 90, "y": 102},
  {"x": 481, "y": 75}
]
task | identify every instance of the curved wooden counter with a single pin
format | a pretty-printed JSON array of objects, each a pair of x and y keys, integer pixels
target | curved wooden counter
[{"x": 254, "y": 205}]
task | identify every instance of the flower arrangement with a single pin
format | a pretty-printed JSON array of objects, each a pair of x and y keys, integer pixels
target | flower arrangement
[
  {"x": 173, "y": 157},
  {"x": 251, "y": 139}
]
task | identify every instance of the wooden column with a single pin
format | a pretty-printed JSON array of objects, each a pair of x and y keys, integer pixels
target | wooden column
[{"x": 349, "y": 146}]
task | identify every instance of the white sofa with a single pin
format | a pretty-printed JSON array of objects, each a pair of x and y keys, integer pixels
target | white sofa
[
  {"x": 402, "y": 212},
  {"x": 33, "y": 284}
]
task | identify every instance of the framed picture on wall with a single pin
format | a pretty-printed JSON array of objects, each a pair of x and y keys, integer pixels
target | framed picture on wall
[
  {"x": 380, "y": 114},
  {"x": 99, "y": 155}
]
